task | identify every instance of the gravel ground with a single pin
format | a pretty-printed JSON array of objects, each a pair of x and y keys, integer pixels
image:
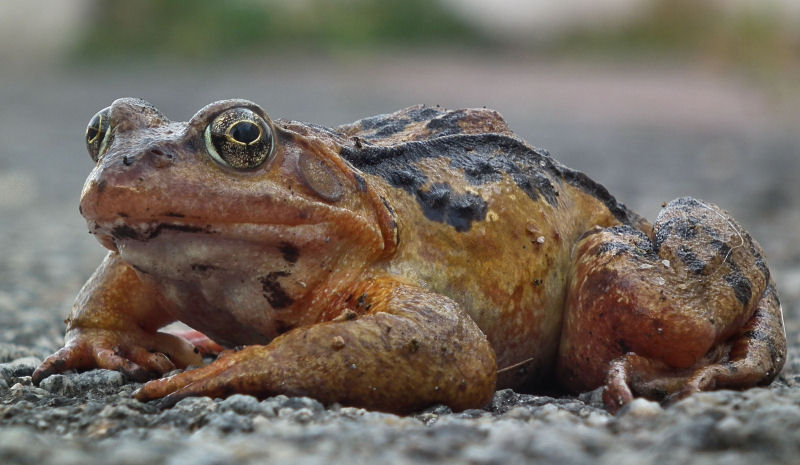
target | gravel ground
[{"x": 649, "y": 133}]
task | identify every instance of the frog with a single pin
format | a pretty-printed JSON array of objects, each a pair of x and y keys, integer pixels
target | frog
[{"x": 421, "y": 257}]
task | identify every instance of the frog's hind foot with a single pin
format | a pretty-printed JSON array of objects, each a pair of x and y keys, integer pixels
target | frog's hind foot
[
  {"x": 691, "y": 308},
  {"x": 752, "y": 357},
  {"x": 756, "y": 353}
]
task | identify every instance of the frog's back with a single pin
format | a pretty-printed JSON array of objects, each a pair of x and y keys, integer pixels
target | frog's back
[
  {"x": 479, "y": 148},
  {"x": 483, "y": 218},
  {"x": 421, "y": 122}
]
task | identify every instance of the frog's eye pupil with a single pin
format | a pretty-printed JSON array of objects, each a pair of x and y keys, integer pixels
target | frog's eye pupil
[
  {"x": 91, "y": 133},
  {"x": 98, "y": 134},
  {"x": 245, "y": 132},
  {"x": 94, "y": 129}
]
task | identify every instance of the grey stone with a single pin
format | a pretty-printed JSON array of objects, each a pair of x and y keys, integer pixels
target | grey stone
[
  {"x": 230, "y": 422},
  {"x": 19, "y": 367},
  {"x": 241, "y": 404},
  {"x": 59, "y": 384}
]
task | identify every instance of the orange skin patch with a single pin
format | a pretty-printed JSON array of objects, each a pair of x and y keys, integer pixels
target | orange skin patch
[{"x": 420, "y": 257}]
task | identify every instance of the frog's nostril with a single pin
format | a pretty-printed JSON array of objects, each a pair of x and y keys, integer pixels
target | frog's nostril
[
  {"x": 159, "y": 153},
  {"x": 161, "y": 158}
]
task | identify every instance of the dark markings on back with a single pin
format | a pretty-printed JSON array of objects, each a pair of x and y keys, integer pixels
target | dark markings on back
[
  {"x": 742, "y": 287},
  {"x": 483, "y": 158},
  {"x": 723, "y": 249},
  {"x": 391, "y": 127},
  {"x": 764, "y": 337},
  {"x": 694, "y": 264},
  {"x": 383, "y": 125},
  {"x": 423, "y": 113},
  {"x": 440, "y": 203},
  {"x": 685, "y": 228},
  {"x": 389, "y": 124},
  {"x": 415, "y": 114},
  {"x": 641, "y": 247},
  {"x": 273, "y": 292},
  {"x": 585, "y": 183},
  {"x": 447, "y": 124}
]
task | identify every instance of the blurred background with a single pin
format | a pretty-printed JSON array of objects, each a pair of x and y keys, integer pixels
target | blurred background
[{"x": 653, "y": 98}]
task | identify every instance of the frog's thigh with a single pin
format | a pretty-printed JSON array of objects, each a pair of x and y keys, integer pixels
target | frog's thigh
[{"x": 650, "y": 313}]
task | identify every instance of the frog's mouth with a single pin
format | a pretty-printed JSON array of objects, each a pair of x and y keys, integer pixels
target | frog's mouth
[
  {"x": 185, "y": 251},
  {"x": 151, "y": 231},
  {"x": 125, "y": 229}
]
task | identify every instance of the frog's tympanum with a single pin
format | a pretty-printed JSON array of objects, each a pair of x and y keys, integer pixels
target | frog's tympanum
[{"x": 420, "y": 257}]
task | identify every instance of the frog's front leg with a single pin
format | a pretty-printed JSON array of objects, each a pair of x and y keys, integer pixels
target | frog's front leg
[
  {"x": 114, "y": 325},
  {"x": 692, "y": 308},
  {"x": 395, "y": 348}
]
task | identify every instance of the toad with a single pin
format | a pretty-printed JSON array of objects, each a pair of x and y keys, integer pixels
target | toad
[{"x": 419, "y": 257}]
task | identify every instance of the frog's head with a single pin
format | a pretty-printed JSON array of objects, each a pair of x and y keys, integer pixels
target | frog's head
[{"x": 179, "y": 198}]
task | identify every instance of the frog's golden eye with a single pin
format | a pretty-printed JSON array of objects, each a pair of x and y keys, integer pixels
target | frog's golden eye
[
  {"x": 97, "y": 133},
  {"x": 239, "y": 138}
]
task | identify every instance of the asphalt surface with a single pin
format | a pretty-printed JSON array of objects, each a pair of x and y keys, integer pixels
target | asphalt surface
[{"x": 648, "y": 132}]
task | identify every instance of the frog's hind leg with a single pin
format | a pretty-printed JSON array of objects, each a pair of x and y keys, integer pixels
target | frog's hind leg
[
  {"x": 752, "y": 357},
  {"x": 690, "y": 308}
]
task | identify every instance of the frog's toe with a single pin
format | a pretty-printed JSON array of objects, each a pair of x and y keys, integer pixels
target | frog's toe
[
  {"x": 67, "y": 358},
  {"x": 617, "y": 392},
  {"x": 179, "y": 351},
  {"x": 154, "y": 389},
  {"x": 233, "y": 371},
  {"x": 155, "y": 362},
  {"x": 205, "y": 387},
  {"x": 190, "y": 383},
  {"x": 113, "y": 360}
]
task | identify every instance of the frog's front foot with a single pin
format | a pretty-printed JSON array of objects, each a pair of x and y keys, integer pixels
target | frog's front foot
[
  {"x": 411, "y": 349},
  {"x": 242, "y": 371},
  {"x": 136, "y": 353}
]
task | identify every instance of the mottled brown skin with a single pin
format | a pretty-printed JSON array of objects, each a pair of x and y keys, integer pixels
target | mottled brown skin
[{"x": 420, "y": 257}]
